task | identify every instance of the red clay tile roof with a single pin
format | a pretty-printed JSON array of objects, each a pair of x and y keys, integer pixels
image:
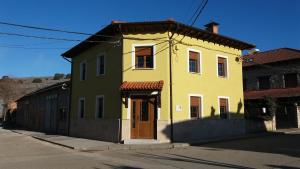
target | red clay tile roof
[
  {"x": 277, "y": 93},
  {"x": 145, "y": 85},
  {"x": 276, "y": 55}
]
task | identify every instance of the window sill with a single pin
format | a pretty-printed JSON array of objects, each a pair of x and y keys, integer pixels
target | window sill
[
  {"x": 143, "y": 69},
  {"x": 195, "y": 73},
  {"x": 100, "y": 75},
  {"x": 223, "y": 77}
]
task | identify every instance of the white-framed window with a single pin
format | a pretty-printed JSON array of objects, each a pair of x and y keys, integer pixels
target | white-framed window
[
  {"x": 143, "y": 56},
  {"x": 99, "y": 106},
  {"x": 195, "y": 106},
  {"x": 224, "y": 107},
  {"x": 100, "y": 65},
  {"x": 81, "y": 107},
  {"x": 222, "y": 66},
  {"x": 194, "y": 59},
  {"x": 83, "y": 70}
]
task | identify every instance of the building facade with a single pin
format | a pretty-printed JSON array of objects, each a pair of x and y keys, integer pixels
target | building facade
[
  {"x": 141, "y": 80},
  {"x": 274, "y": 74},
  {"x": 45, "y": 110}
]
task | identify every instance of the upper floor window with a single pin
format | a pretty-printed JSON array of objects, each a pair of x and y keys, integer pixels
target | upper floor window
[
  {"x": 195, "y": 107},
  {"x": 144, "y": 57},
  {"x": 100, "y": 65},
  {"x": 81, "y": 107},
  {"x": 194, "y": 62},
  {"x": 290, "y": 80},
  {"x": 264, "y": 82},
  {"x": 224, "y": 108},
  {"x": 99, "y": 106},
  {"x": 222, "y": 67},
  {"x": 82, "y": 69}
]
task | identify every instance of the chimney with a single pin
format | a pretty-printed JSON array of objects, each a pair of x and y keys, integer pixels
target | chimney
[{"x": 212, "y": 27}]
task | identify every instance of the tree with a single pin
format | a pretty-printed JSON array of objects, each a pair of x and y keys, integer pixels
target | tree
[
  {"x": 271, "y": 105},
  {"x": 58, "y": 76}
]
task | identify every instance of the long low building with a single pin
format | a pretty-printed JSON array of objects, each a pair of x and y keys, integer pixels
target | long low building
[{"x": 45, "y": 110}]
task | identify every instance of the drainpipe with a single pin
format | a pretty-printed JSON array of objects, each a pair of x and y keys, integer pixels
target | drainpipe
[
  {"x": 171, "y": 87},
  {"x": 70, "y": 95}
]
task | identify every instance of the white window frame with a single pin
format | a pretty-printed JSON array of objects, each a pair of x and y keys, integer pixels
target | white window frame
[
  {"x": 80, "y": 70},
  {"x": 133, "y": 56},
  {"x": 228, "y": 102},
  {"x": 97, "y": 104},
  {"x": 188, "y": 60},
  {"x": 79, "y": 107},
  {"x": 227, "y": 66},
  {"x": 189, "y": 105},
  {"x": 98, "y": 64}
]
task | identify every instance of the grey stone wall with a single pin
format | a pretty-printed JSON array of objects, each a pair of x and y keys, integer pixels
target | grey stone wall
[
  {"x": 276, "y": 71},
  {"x": 98, "y": 129}
]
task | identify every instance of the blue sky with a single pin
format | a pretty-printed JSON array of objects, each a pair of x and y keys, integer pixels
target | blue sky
[{"x": 268, "y": 24}]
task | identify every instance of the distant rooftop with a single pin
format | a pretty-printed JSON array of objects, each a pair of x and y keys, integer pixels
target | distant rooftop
[{"x": 271, "y": 56}]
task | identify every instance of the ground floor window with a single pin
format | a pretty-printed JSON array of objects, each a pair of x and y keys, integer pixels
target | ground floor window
[
  {"x": 99, "y": 106},
  {"x": 81, "y": 107},
  {"x": 223, "y": 107},
  {"x": 195, "y": 106}
]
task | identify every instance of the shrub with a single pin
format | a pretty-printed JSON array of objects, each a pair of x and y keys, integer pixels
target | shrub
[{"x": 37, "y": 80}]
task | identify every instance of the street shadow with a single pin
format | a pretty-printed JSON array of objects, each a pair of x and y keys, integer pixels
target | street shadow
[
  {"x": 214, "y": 127},
  {"x": 282, "y": 167},
  {"x": 275, "y": 143},
  {"x": 187, "y": 159},
  {"x": 118, "y": 167}
]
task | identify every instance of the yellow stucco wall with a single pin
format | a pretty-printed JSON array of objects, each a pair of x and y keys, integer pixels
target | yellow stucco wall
[
  {"x": 160, "y": 72},
  {"x": 207, "y": 84},
  {"x": 107, "y": 85}
]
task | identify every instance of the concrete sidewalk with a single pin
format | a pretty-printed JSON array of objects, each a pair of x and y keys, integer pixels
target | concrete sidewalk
[{"x": 81, "y": 144}]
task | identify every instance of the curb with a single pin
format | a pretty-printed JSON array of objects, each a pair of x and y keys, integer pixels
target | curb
[{"x": 232, "y": 139}]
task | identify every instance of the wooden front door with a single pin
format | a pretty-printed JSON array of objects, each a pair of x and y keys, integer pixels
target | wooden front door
[{"x": 143, "y": 118}]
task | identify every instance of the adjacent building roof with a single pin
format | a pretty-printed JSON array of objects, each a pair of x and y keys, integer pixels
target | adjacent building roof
[
  {"x": 271, "y": 56},
  {"x": 146, "y": 85},
  {"x": 117, "y": 28},
  {"x": 45, "y": 89},
  {"x": 276, "y": 93}
]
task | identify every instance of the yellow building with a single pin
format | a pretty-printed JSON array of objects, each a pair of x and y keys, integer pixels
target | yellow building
[{"x": 154, "y": 80}]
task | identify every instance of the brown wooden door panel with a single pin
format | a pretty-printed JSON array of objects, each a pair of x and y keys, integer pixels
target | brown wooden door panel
[{"x": 142, "y": 118}]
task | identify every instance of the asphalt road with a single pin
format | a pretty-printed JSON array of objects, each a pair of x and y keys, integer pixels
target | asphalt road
[{"x": 277, "y": 151}]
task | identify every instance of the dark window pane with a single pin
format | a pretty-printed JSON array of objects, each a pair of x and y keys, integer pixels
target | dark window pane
[
  {"x": 290, "y": 80},
  {"x": 223, "y": 112},
  {"x": 101, "y": 65},
  {"x": 264, "y": 82},
  {"x": 140, "y": 61},
  {"x": 245, "y": 84},
  {"x": 193, "y": 65},
  {"x": 83, "y": 71},
  {"x": 144, "y": 111},
  {"x": 81, "y": 108},
  {"x": 221, "y": 69},
  {"x": 100, "y": 107},
  {"x": 194, "y": 111},
  {"x": 149, "y": 62}
]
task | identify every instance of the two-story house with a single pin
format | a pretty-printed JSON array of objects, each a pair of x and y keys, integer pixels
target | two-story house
[
  {"x": 137, "y": 80},
  {"x": 274, "y": 73}
]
